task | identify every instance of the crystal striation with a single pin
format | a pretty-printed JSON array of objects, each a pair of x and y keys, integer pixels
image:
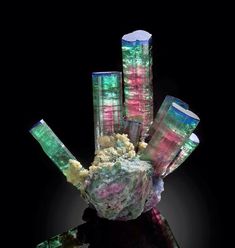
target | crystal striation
[
  {"x": 188, "y": 147},
  {"x": 162, "y": 112},
  {"x": 137, "y": 72},
  {"x": 107, "y": 103},
  {"x": 51, "y": 145},
  {"x": 173, "y": 130}
]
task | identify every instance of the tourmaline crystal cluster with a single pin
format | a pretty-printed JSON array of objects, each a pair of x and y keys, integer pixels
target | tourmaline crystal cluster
[{"x": 133, "y": 151}]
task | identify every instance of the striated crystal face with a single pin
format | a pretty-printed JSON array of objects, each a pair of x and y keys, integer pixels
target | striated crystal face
[
  {"x": 172, "y": 131},
  {"x": 51, "y": 145},
  {"x": 137, "y": 72},
  {"x": 107, "y": 103},
  {"x": 162, "y": 112}
]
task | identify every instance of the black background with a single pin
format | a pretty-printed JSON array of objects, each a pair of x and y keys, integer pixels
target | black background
[{"x": 54, "y": 50}]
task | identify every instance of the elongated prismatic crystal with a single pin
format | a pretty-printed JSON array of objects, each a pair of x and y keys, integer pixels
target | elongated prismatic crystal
[
  {"x": 137, "y": 72},
  {"x": 173, "y": 130},
  {"x": 51, "y": 145},
  {"x": 188, "y": 147},
  {"x": 107, "y": 103},
  {"x": 162, "y": 112}
]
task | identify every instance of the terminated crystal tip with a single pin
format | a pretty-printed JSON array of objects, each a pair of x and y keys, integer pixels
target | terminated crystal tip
[
  {"x": 193, "y": 137},
  {"x": 185, "y": 114},
  {"x": 162, "y": 112},
  {"x": 51, "y": 145},
  {"x": 172, "y": 132},
  {"x": 138, "y": 35},
  {"x": 41, "y": 122}
]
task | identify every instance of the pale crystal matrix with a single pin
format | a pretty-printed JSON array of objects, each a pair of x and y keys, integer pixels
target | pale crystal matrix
[
  {"x": 118, "y": 184},
  {"x": 137, "y": 72},
  {"x": 107, "y": 103}
]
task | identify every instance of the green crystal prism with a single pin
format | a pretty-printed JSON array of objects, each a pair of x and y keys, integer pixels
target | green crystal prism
[{"x": 51, "y": 145}]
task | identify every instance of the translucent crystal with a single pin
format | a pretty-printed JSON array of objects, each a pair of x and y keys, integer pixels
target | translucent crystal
[
  {"x": 172, "y": 132},
  {"x": 188, "y": 147},
  {"x": 107, "y": 103},
  {"x": 162, "y": 112},
  {"x": 137, "y": 71},
  {"x": 66, "y": 239},
  {"x": 51, "y": 145},
  {"x": 133, "y": 130}
]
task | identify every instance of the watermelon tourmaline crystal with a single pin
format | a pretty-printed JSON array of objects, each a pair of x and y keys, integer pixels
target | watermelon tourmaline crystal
[
  {"x": 162, "y": 112},
  {"x": 173, "y": 130},
  {"x": 107, "y": 103},
  {"x": 137, "y": 72}
]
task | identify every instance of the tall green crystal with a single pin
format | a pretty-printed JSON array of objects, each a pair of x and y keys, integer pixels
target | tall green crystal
[
  {"x": 188, "y": 147},
  {"x": 107, "y": 103},
  {"x": 51, "y": 145}
]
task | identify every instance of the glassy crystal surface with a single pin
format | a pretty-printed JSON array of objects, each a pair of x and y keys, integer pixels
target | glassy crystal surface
[
  {"x": 107, "y": 103},
  {"x": 67, "y": 240},
  {"x": 133, "y": 130},
  {"x": 162, "y": 112},
  {"x": 174, "y": 129},
  {"x": 188, "y": 147},
  {"x": 51, "y": 145},
  {"x": 137, "y": 72}
]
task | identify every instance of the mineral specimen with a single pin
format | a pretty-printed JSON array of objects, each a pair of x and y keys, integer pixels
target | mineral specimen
[{"x": 126, "y": 176}]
